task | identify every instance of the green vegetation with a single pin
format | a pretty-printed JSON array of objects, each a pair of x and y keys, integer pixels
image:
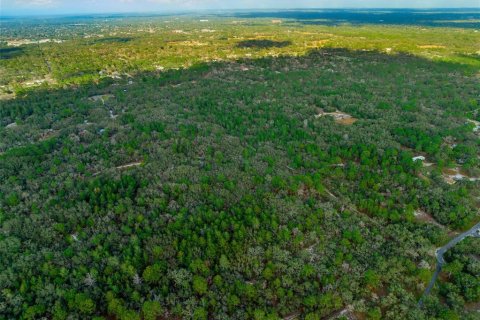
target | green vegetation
[
  {"x": 218, "y": 192},
  {"x": 461, "y": 286},
  {"x": 78, "y": 53}
]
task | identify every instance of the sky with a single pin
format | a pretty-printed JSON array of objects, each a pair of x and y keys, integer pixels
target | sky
[{"x": 20, "y": 7}]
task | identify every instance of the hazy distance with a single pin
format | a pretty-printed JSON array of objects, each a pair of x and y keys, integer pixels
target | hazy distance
[{"x": 41, "y": 7}]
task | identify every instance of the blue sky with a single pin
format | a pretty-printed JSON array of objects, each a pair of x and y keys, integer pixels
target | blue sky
[{"x": 8, "y": 7}]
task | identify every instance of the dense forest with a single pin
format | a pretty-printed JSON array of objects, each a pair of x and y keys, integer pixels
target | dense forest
[{"x": 312, "y": 185}]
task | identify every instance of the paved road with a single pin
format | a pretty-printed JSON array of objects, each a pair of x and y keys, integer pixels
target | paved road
[{"x": 473, "y": 232}]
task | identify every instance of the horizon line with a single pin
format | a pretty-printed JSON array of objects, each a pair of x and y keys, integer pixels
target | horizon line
[{"x": 189, "y": 11}]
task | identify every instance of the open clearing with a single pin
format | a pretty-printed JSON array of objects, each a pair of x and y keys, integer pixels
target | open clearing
[
  {"x": 431, "y": 46},
  {"x": 339, "y": 117},
  {"x": 452, "y": 175}
]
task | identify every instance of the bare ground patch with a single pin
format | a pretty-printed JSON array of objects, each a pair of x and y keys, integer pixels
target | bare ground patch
[
  {"x": 431, "y": 46},
  {"x": 128, "y": 165},
  {"x": 425, "y": 217},
  {"x": 101, "y": 97},
  {"x": 452, "y": 175},
  {"x": 339, "y": 117}
]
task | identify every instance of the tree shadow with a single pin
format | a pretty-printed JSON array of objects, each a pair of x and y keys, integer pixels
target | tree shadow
[
  {"x": 264, "y": 43},
  {"x": 113, "y": 40},
  {"x": 9, "y": 53}
]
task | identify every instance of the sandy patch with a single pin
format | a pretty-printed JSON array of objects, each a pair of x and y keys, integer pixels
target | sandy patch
[
  {"x": 476, "y": 123},
  {"x": 431, "y": 46},
  {"x": 133, "y": 164},
  {"x": 316, "y": 44},
  {"x": 422, "y": 216},
  {"x": 192, "y": 43},
  {"x": 101, "y": 97},
  {"x": 339, "y": 117},
  {"x": 452, "y": 175},
  {"x": 21, "y": 42}
]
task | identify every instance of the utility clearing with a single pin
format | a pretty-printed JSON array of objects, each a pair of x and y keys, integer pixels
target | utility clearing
[{"x": 128, "y": 165}]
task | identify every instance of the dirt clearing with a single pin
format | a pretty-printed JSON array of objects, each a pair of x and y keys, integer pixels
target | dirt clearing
[{"x": 339, "y": 117}]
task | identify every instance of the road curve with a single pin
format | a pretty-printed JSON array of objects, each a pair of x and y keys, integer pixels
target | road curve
[{"x": 472, "y": 232}]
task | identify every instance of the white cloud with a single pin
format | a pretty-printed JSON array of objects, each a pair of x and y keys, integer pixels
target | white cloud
[
  {"x": 187, "y": 3},
  {"x": 37, "y": 3}
]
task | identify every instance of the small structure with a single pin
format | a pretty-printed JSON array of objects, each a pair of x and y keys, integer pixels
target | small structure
[{"x": 418, "y": 158}]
